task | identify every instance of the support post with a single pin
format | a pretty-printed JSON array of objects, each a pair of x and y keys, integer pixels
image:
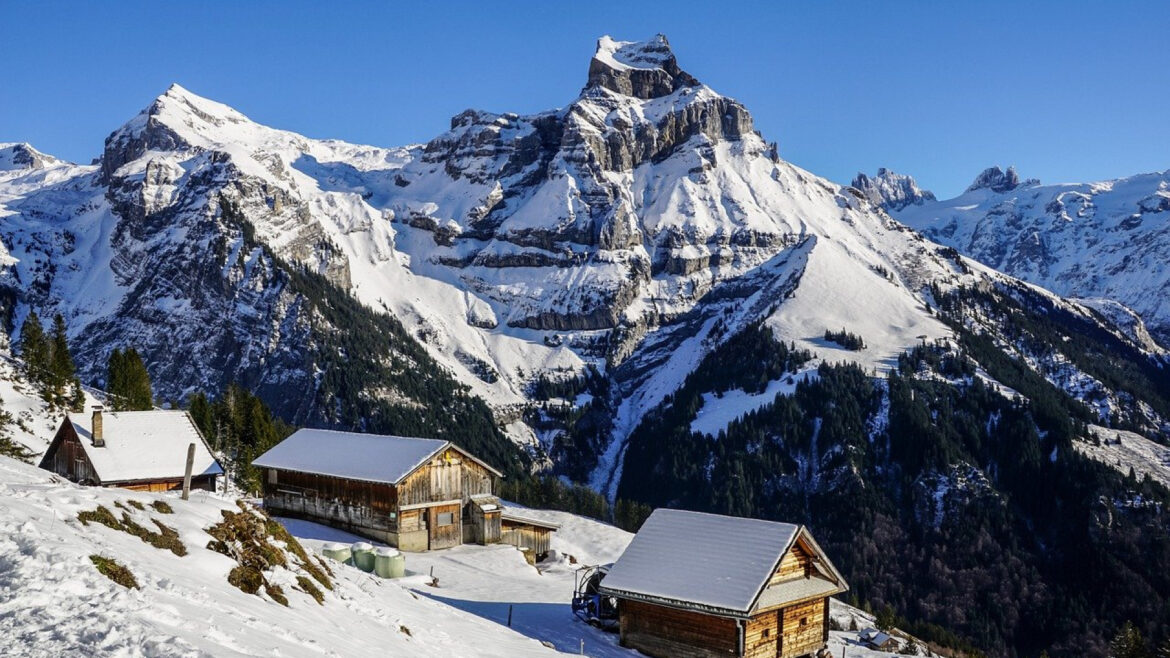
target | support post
[{"x": 187, "y": 473}]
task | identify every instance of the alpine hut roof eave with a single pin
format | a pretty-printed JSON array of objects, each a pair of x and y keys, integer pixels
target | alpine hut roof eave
[{"x": 266, "y": 461}]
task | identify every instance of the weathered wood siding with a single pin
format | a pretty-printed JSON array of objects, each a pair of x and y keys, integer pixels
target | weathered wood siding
[
  {"x": 69, "y": 459},
  {"x": 480, "y": 527},
  {"x": 670, "y": 633},
  {"x": 796, "y": 563},
  {"x": 198, "y": 483},
  {"x": 352, "y": 502},
  {"x": 523, "y": 535},
  {"x": 762, "y": 636},
  {"x": 445, "y": 523},
  {"x": 448, "y": 476},
  {"x": 802, "y": 628}
]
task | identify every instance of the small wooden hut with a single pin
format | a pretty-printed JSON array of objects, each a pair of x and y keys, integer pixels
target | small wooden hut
[
  {"x": 694, "y": 585},
  {"x": 141, "y": 450},
  {"x": 526, "y": 533},
  {"x": 416, "y": 494}
]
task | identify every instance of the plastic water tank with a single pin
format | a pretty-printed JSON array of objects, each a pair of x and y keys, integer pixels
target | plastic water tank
[
  {"x": 336, "y": 551},
  {"x": 363, "y": 556},
  {"x": 389, "y": 563}
]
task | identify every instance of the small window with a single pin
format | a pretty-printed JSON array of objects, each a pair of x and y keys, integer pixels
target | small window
[
  {"x": 446, "y": 518},
  {"x": 767, "y": 633},
  {"x": 803, "y": 621},
  {"x": 271, "y": 476}
]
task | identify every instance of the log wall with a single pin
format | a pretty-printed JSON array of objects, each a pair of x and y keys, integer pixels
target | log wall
[
  {"x": 669, "y": 633},
  {"x": 802, "y": 628}
]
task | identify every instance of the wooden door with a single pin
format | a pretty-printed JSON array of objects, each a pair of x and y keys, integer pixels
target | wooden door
[{"x": 444, "y": 526}]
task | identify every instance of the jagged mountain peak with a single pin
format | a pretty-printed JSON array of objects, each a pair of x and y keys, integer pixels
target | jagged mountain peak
[
  {"x": 20, "y": 155},
  {"x": 643, "y": 69},
  {"x": 998, "y": 180},
  {"x": 890, "y": 190}
]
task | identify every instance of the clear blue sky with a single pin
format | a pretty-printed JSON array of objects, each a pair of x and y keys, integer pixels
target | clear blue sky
[{"x": 1067, "y": 91}]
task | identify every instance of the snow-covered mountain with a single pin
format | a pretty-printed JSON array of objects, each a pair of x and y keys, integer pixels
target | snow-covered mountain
[
  {"x": 1108, "y": 240},
  {"x": 610, "y": 233}
]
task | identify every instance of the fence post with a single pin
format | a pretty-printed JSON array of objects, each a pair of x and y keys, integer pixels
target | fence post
[{"x": 187, "y": 473}]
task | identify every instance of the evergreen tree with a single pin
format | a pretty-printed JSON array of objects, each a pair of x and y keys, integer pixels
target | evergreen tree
[
  {"x": 64, "y": 388},
  {"x": 128, "y": 382},
  {"x": 34, "y": 348},
  {"x": 240, "y": 427},
  {"x": 1128, "y": 643}
]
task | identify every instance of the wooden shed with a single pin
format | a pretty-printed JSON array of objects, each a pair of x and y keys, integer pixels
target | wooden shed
[
  {"x": 140, "y": 450},
  {"x": 527, "y": 533},
  {"x": 694, "y": 585},
  {"x": 416, "y": 494}
]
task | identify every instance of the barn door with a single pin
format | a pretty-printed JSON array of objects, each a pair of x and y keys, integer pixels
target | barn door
[{"x": 444, "y": 526}]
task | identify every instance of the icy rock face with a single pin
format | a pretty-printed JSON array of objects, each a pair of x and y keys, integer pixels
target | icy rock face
[
  {"x": 996, "y": 180},
  {"x": 890, "y": 190},
  {"x": 1106, "y": 240},
  {"x": 23, "y": 156},
  {"x": 556, "y": 190},
  {"x": 645, "y": 69}
]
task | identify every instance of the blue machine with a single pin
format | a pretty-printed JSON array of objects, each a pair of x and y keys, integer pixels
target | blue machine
[{"x": 589, "y": 604}]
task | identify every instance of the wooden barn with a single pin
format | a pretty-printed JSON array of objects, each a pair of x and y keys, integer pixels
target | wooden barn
[
  {"x": 141, "y": 450},
  {"x": 416, "y": 494},
  {"x": 526, "y": 533},
  {"x": 694, "y": 585}
]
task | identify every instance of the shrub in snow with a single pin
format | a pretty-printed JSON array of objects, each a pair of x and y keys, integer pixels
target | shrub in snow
[{"x": 110, "y": 568}]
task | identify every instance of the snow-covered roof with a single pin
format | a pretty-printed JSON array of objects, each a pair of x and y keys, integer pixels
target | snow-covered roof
[
  {"x": 354, "y": 456},
  {"x": 509, "y": 514},
  {"x": 144, "y": 445},
  {"x": 712, "y": 562}
]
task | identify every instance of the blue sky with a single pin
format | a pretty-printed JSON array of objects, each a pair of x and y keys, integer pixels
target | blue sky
[{"x": 1068, "y": 91}]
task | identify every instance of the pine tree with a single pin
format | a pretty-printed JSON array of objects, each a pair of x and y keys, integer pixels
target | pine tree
[
  {"x": 128, "y": 382},
  {"x": 1128, "y": 643},
  {"x": 64, "y": 387},
  {"x": 34, "y": 349}
]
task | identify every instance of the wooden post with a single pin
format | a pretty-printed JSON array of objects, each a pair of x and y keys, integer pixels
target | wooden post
[
  {"x": 509, "y": 615},
  {"x": 187, "y": 473}
]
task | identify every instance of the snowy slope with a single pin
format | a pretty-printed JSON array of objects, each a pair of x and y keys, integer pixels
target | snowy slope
[
  {"x": 1109, "y": 239},
  {"x": 53, "y": 602}
]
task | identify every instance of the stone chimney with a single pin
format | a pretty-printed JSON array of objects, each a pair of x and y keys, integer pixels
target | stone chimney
[{"x": 99, "y": 441}]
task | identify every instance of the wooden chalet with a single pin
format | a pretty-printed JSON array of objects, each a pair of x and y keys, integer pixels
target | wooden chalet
[
  {"x": 694, "y": 585},
  {"x": 416, "y": 494},
  {"x": 140, "y": 450}
]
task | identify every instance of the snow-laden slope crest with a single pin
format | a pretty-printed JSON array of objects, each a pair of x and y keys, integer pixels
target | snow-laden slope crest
[
  {"x": 53, "y": 602},
  {"x": 1109, "y": 239}
]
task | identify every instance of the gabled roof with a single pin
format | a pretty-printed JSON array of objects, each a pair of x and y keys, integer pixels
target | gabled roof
[
  {"x": 143, "y": 445},
  {"x": 355, "y": 456},
  {"x": 713, "y": 563}
]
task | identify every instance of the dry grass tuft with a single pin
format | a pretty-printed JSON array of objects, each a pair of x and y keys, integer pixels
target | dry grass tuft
[{"x": 110, "y": 568}]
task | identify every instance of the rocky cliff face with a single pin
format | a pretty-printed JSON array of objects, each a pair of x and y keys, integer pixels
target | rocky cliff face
[{"x": 890, "y": 190}]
